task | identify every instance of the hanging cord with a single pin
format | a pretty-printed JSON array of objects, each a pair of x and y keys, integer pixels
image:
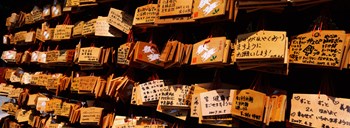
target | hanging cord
[
  {"x": 261, "y": 22},
  {"x": 217, "y": 79},
  {"x": 130, "y": 37},
  {"x": 40, "y": 46},
  {"x": 150, "y": 40},
  {"x": 326, "y": 85},
  {"x": 67, "y": 20},
  {"x": 181, "y": 77},
  {"x": 319, "y": 28},
  {"x": 256, "y": 82}
]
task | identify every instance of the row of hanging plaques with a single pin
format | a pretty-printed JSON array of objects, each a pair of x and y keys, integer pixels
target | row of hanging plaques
[
  {"x": 77, "y": 112},
  {"x": 218, "y": 107},
  {"x": 266, "y": 51},
  {"x": 214, "y": 107},
  {"x": 183, "y": 11}
]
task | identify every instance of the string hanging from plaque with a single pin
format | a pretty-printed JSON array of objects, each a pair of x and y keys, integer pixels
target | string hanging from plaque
[{"x": 326, "y": 86}]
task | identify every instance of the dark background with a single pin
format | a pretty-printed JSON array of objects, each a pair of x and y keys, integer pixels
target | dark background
[{"x": 294, "y": 20}]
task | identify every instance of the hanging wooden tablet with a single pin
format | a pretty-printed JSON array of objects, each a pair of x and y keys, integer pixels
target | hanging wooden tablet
[
  {"x": 271, "y": 43},
  {"x": 318, "y": 48},
  {"x": 166, "y": 51},
  {"x": 21, "y": 19},
  {"x": 78, "y": 28},
  {"x": 20, "y": 36},
  {"x": 150, "y": 91},
  {"x": 15, "y": 92},
  {"x": 123, "y": 53},
  {"x": 9, "y": 56},
  {"x": 208, "y": 51},
  {"x": 54, "y": 81},
  {"x": 102, "y": 28},
  {"x": 56, "y": 9},
  {"x": 51, "y": 56},
  {"x": 37, "y": 14},
  {"x": 278, "y": 104},
  {"x": 89, "y": 27},
  {"x": 18, "y": 57},
  {"x": 72, "y": 3},
  {"x": 39, "y": 36},
  {"x": 43, "y": 79},
  {"x": 42, "y": 57},
  {"x": 62, "y": 32},
  {"x": 174, "y": 53},
  {"x": 25, "y": 79},
  {"x": 31, "y": 99},
  {"x": 249, "y": 104},
  {"x": 136, "y": 96},
  {"x": 48, "y": 33},
  {"x": 119, "y": 19},
  {"x": 65, "y": 56},
  {"x": 29, "y": 19},
  {"x": 193, "y": 98},
  {"x": 346, "y": 54},
  {"x": 206, "y": 8},
  {"x": 147, "y": 53},
  {"x": 90, "y": 55},
  {"x": 41, "y": 103},
  {"x": 22, "y": 115},
  {"x": 172, "y": 101},
  {"x": 34, "y": 57},
  {"x": 6, "y": 39},
  {"x": 262, "y": 51},
  {"x": 174, "y": 96},
  {"x": 87, "y": 83},
  {"x": 53, "y": 104},
  {"x": 90, "y": 115},
  {"x": 173, "y": 8},
  {"x": 30, "y": 37},
  {"x": 145, "y": 14},
  {"x": 65, "y": 109},
  {"x": 8, "y": 73},
  {"x": 47, "y": 11},
  {"x": 319, "y": 110},
  {"x": 215, "y": 106}
]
